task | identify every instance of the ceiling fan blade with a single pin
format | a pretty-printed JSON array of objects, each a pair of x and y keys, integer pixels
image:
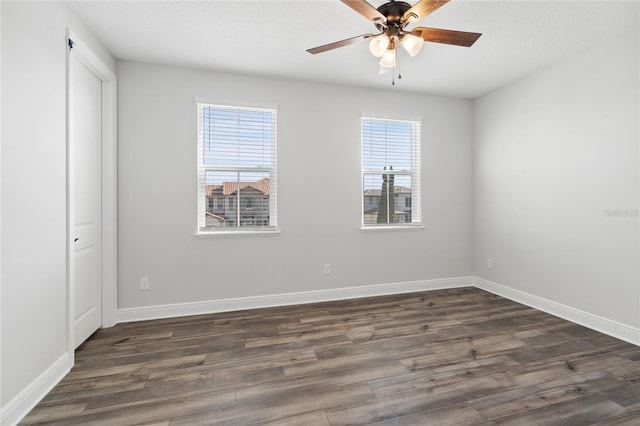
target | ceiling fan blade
[
  {"x": 436, "y": 35},
  {"x": 340, "y": 43},
  {"x": 422, "y": 9},
  {"x": 365, "y": 9}
]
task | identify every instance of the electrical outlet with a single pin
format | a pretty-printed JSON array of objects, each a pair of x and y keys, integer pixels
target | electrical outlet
[
  {"x": 144, "y": 283},
  {"x": 489, "y": 263},
  {"x": 327, "y": 268}
]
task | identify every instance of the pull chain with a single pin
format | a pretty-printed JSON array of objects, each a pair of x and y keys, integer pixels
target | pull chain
[{"x": 393, "y": 74}]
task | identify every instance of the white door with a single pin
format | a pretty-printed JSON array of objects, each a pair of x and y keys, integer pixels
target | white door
[{"x": 85, "y": 120}]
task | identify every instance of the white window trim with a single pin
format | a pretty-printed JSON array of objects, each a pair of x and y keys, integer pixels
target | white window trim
[
  {"x": 272, "y": 229},
  {"x": 251, "y": 232},
  {"x": 399, "y": 227},
  {"x": 416, "y": 181}
]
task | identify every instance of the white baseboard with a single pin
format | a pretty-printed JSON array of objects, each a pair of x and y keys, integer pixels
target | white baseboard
[
  {"x": 268, "y": 301},
  {"x": 603, "y": 325},
  {"x": 594, "y": 322},
  {"x": 29, "y": 397}
]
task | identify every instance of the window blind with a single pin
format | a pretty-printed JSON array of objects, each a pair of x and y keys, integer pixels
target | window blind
[
  {"x": 390, "y": 172},
  {"x": 236, "y": 168}
]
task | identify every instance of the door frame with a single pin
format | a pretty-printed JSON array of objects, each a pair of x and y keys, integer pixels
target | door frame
[{"x": 108, "y": 202}]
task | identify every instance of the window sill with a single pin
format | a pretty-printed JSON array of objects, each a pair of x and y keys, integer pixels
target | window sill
[
  {"x": 248, "y": 233},
  {"x": 415, "y": 227}
]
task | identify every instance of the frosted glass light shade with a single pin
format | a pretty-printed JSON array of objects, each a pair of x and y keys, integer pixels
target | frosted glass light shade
[
  {"x": 378, "y": 45},
  {"x": 388, "y": 60},
  {"x": 412, "y": 44}
]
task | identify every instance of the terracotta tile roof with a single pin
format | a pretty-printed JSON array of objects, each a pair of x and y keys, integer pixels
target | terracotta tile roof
[
  {"x": 216, "y": 216},
  {"x": 228, "y": 188}
]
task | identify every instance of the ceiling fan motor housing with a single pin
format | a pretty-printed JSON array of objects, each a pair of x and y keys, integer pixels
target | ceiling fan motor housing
[{"x": 394, "y": 12}]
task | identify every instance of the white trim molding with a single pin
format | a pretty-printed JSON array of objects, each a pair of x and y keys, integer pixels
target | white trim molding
[
  {"x": 594, "y": 322},
  {"x": 267, "y": 301},
  {"x": 603, "y": 325},
  {"x": 30, "y": 396}
]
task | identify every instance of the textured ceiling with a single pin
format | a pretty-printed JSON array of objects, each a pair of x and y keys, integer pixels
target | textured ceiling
[{"x": 270, "y": 38}]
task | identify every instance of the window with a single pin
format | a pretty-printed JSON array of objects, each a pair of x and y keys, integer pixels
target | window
[
  {"x": 236, "y": 164},
  {"x": 390, "y": 172}
]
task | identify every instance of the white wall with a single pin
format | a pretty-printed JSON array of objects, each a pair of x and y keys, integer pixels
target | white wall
[
  {"x": 556, "y": 183},
  {"x": 34, "y": 298},
  {"x": 319, "y": 195}
]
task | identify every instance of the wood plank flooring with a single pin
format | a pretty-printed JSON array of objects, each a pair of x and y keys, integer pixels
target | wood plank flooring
[{"x": 449, "y": 357}]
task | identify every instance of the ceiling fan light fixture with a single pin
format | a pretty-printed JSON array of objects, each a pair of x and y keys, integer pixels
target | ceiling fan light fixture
[
  {"x": 378, "y": 45},
  {"x": 412, "y": 44},
  {"x": 388, "y": 59}
]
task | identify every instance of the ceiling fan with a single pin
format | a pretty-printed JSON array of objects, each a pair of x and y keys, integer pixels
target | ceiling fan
[{"x": 392, "y": 19}]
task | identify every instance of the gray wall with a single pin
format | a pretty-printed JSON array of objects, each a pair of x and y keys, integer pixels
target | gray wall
[
  {"x": 556, "y": 183},
  {"x": 319, "y": 194},
  {"x": 33, "y": 253}
]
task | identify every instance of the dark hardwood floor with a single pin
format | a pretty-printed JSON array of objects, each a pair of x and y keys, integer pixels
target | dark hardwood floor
[{"x": 460, "y": 356}]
